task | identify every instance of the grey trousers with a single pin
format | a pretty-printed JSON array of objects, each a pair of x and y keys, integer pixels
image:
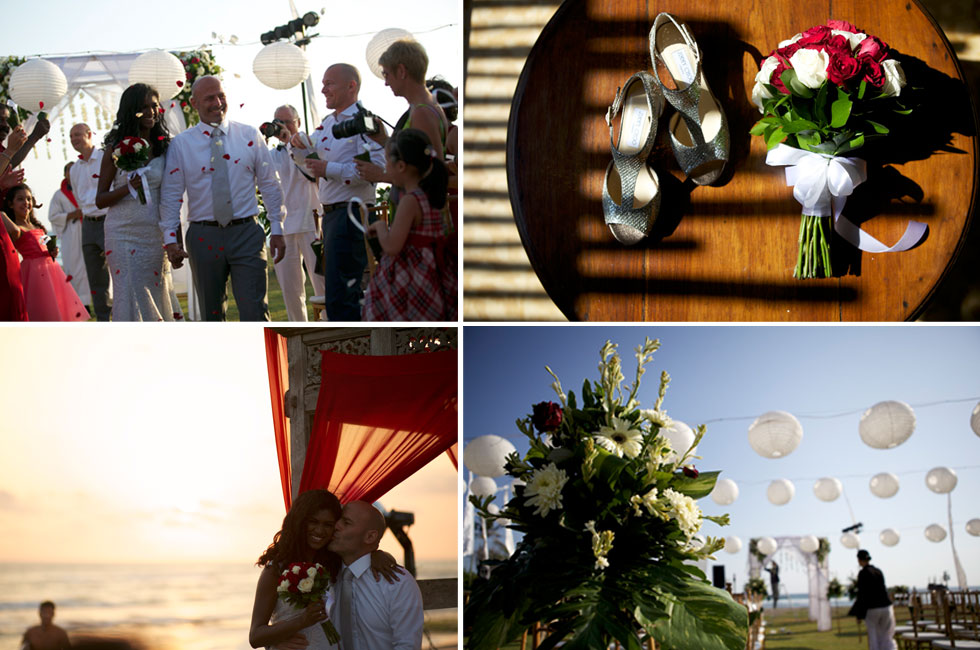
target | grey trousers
[
  {"x": 93, "y": 252},
  {"x": 880, "y": 622},
  {"x": 237, "y": 251}
]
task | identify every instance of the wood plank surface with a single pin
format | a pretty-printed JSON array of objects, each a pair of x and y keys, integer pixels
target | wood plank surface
[{"x": 727, "y": 252}]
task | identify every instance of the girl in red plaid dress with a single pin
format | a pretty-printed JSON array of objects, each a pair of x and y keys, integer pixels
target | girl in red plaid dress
[{"x": 416, "y": 277}]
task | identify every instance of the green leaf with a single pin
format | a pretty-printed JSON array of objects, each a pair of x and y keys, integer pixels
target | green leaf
[
  {"x": 840, "y": 110},
  {"x": 700, "y": 617},
  {"x": 696, "y": 488},
  {"x": 799, "y": 125},
  {"x": 862, "y": 88},
  {"x": 758, "y": 128},
  {"x": 775, "y": 137},
  {"x": 799, "y": 88},
  {"x": 807, "y": 140},
  {"x": 905, "y": 112},
  {"x": 820, "y": 104},
  {"x": 610, "y": 466},
  {"x": 879, "y": 128}
]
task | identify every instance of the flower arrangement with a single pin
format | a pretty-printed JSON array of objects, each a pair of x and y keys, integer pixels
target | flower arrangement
[
  {"x": 824, "y": 92},
  {"x": 610, "y": 527},
  {"x": 7, "y": 65},
  {"x": 197, "y": 63},
  {"x": 132, "y": 154},
  {"x": 305, "y": 583}
]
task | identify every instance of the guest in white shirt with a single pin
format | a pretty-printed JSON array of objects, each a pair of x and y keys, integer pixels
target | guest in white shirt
[
  {"x": 299, "y": 195},
  {"x": 66, "y": 220},
  {"x": 370, "y": 614},
  {"x": 219, "y": 163},
  {"x": 343, "y": 243},
  {"x": 85, "y": 182}
]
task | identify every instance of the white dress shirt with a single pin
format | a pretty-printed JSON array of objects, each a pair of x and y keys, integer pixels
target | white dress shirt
[
  {"x": 299, "y": 195},
  {"x": 386, "y": 616},
  {"x": 342, "y": 182},
  {"x": 84, "y": 176},
  {"x": 189, "y": 168}
]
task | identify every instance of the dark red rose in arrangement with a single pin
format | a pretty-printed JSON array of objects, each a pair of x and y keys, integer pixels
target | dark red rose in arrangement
[
  {"x": 872, "y": 48},
  {"x": 546, "y": 416},
  {"x": 873, "y": 73},
  {"x": 842, "y": 69},
  {"x": 690, "y": 472},
  {"x": 843, "y": 26},
  {"x": 815, "y": 36}
]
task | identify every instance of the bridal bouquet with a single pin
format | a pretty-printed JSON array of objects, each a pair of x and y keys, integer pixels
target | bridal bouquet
[
  {"x": 132, "y": 154},
  {"x": 828, "y": 91},
  {"x": 304, "y": 583},
  {"x": 610, "y": 526}
]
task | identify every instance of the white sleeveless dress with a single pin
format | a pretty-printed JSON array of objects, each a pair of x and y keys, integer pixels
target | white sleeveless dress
[{"x": 314, "y": 633}]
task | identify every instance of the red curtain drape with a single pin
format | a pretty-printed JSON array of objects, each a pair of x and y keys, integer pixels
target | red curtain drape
[
  {"x": 278, "y": 366},
  {"x": 453, "y": 453},
  {"x": 378, "y": 420}
]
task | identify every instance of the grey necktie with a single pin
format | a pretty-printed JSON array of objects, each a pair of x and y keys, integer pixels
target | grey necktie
[
  {"x": 220, "y": 186},
  {"x": 346, "y": 620}
]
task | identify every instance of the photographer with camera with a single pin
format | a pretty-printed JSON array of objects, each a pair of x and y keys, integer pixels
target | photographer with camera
[
  {"x": 338, "y": 139},
  {"x": 299, "y": 196}
]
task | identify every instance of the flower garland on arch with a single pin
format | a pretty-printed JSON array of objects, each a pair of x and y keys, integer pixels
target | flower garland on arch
[{"x": 197, "y": 63}]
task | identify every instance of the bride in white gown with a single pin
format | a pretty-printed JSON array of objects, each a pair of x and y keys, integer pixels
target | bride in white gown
[
  {"x": 140, "y": 272},
  {"x": 306, "y": 531}
]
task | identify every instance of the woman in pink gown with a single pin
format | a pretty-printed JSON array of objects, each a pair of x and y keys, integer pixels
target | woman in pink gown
[{"x": 47, "y": 291}]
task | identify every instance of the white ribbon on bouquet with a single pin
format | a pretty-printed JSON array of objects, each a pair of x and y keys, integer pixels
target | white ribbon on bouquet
[
  {"x": 822, "y": 183},
  {"x": 141, "y": 172}
]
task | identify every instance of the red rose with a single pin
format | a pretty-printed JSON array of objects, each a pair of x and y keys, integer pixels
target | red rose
[
  {"x": 815, "y": 35},
  {"x": 690, "y": 472},
  {"x": 873, "y": 73},
  {"x": 842, "y": 68},
  {"x": 843, "y": 26},
  {"x": 195, "y": 60},
  {"x": 546, "y": 416},
  {"x": 776, "y": 79},
  {"x": 872, "y": 48},
  {"x": 837, "y": 44}
]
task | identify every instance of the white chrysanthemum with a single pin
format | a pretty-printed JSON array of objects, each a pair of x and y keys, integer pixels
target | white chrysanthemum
[
  {"x": 543, "y": 490},
  {"x": 305, "y": 585},
  {"x": 660, "y": 418},
  {"x": 648, "y": 501},
  {"x": 620, "y": 439},
  {"x": 684, "y": 511}
]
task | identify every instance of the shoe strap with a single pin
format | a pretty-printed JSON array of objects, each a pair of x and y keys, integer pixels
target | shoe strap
[{"x": 688, "y": 40}]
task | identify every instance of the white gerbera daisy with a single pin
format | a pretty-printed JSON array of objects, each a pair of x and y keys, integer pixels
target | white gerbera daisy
[
  {"x": 620, "y": 439},
  {"x": 543, "y": 490}
]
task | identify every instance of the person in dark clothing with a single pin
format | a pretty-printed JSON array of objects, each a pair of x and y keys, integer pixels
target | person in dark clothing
[
  {"x": 773, "y": 570},
  {"x": 873, "y": 605}
]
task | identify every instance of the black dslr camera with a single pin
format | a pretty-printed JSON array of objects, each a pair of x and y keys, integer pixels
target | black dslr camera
[
  {"x": 271, "y": 129},
  {"x": 362, "y": 122}
]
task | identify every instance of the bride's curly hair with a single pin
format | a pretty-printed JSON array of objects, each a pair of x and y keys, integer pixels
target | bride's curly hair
[
  {"x": 127, "y": 124},
  {"x": 288, "y": 544}
]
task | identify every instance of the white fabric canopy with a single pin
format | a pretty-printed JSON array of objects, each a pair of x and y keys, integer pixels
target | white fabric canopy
[{"x": 819, "y": 606}]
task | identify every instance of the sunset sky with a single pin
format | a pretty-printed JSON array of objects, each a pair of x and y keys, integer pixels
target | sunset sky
[{"x": 155, "y": 444}]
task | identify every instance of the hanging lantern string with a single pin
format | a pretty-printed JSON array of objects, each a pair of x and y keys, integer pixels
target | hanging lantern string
[
  {"x": 814, "y": 478},
  {"x": 828, "y": 416},
  {"x": 188, "y": 48}
]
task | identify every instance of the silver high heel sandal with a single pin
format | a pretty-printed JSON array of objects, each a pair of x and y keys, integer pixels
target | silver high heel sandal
[
  {"x": 631, "y": 189},
  {"x": 699, "y": 130}
]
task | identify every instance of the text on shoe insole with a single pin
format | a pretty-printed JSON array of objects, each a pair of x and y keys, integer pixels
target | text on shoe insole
[
  {"x": 636, "y": 128},
  {"x": 682, "y": 68}
]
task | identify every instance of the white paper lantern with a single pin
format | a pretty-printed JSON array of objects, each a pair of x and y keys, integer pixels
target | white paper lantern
[
  {"x": 159, "y": 69},
  {"x": 935, "y": 533},
  {"x": 809, "y": 544},
  {"x": 281, "y": 65},
  {"x": 493, "y": 509},
  {"x": 733, "y": 545},
  {"x": 775, "y": 434},
  {"x": 381, "y": 42},
  {"x": 680, "y": 437},
  {"x": 827, "y": 489},
  {"x": 850, "y": 540},
  {"x": 884, "y": 485},
  {"x": 482, "y": 486},
  {"x": 766, "y": 546},
  {"x": 780, "y": 492},
  {"x": 975, "y": 419},
  {"x": 973, "y": 527},
  {"x": 486, "y": 455},
  {"x": 37, "y": 85},
  {"x": 887, "y": 424},
  {"x": 725, "y": 492},
  {"x": 941, "y": 480},
  {"x": 889, "y": 537}
]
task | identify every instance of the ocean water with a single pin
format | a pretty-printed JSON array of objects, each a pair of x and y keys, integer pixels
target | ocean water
[{"x": 164, "y": 606}]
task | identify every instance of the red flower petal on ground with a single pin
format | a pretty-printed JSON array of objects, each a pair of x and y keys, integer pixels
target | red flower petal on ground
[
  {"x": 172, "y": 104},
  {"x": 180, "y": 200},
  {"x": 241, "y": 105},
  {"x": 180, "y": 84},
  {"x": 226, "y": 157},
  {"x": 203, "y": 169},
  {"x": 49, "y": 139}
]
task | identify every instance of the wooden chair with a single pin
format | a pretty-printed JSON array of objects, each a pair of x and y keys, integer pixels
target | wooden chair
[
  {"x": 952, "y": 629},
  {"x": 919, "y": 637}
]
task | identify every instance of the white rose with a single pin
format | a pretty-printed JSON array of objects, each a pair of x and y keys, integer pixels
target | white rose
[
  {"x": 137, "y": 146},
  {"x": 759, "y": 91},
  {"x": 296, "y": 570},
  {"x": 789, "y": 41},
  {"x": 853, "y": 40},
  {"x": 305, "y": 585},
  {"x": 311, "y": 572},
  {"x": 810, "y": 66},
  {"x": 894, "y": 78},
  {"x": 283, "y": 586}
]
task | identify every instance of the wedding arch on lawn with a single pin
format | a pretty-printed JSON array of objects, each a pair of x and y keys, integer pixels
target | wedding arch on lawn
[{"x": 817, "y": 568}]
